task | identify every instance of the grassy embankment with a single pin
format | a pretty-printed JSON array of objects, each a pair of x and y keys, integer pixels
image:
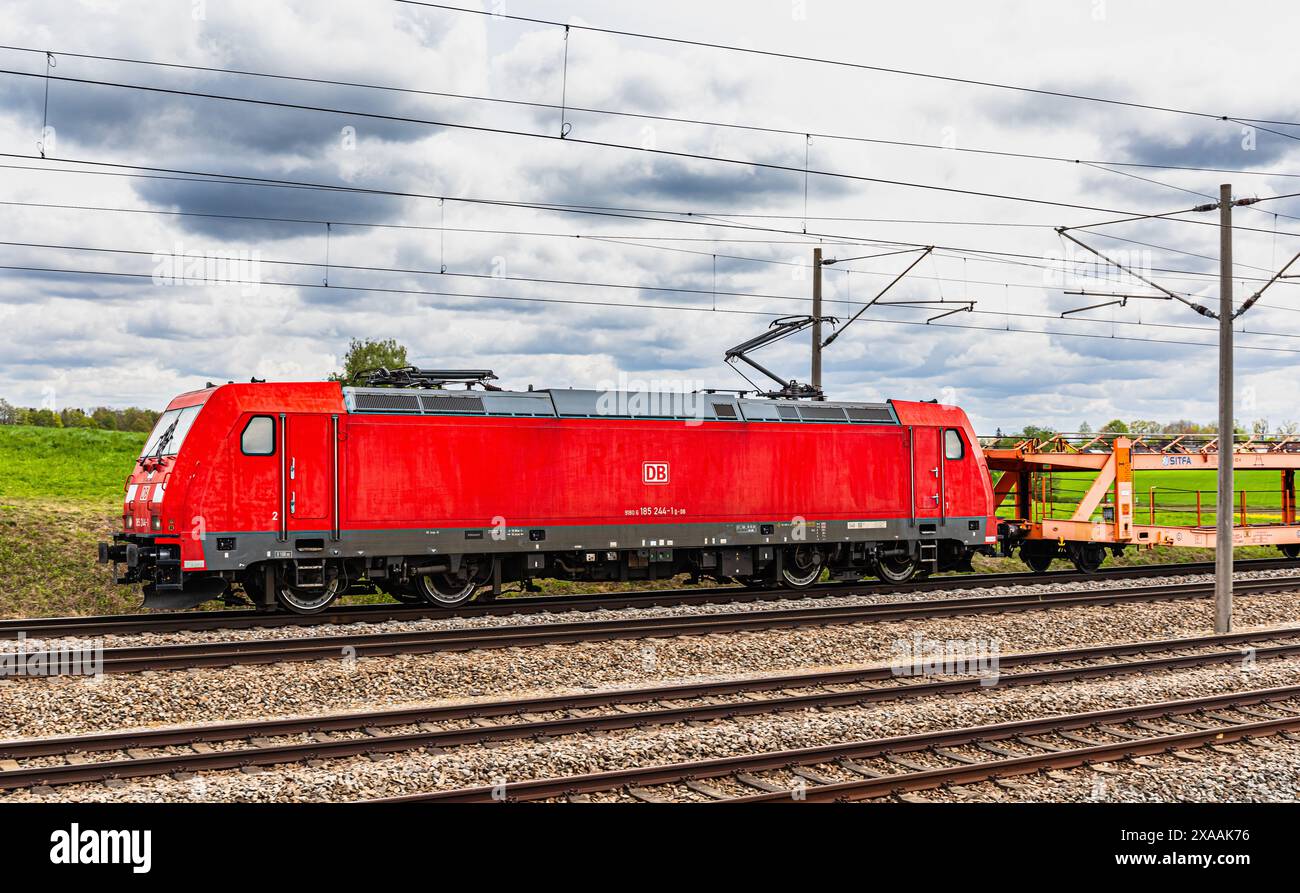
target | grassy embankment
[{"x": 60, "y": 492}]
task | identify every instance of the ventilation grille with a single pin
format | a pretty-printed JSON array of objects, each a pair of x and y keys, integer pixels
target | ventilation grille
[
  {"x": 788, "y": 412},
  {"x": 724, "y": 410},
  {"x": 388, "y": 402},
  {"x": 821, "y": 413},
  {"x": 869, "y": 414},
  {"x": 440, "y": 403}
]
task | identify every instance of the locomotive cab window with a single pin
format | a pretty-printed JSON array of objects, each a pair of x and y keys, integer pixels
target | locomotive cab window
[
  {"x": 169, "y": 432},
  {"x": 258, "y": 438},
  {"x": 953, "y": 448}
]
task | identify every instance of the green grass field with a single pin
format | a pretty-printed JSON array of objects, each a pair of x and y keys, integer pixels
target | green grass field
[
  {"x": 1175, "y": 495},
  {"x": 65, "y": 463},
  {"x": 60, "y": 493}
]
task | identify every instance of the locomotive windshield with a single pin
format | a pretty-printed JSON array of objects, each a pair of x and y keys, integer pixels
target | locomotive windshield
[{"x": 169, "y": 433}]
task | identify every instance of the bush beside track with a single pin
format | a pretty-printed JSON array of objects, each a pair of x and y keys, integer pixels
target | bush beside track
[{"x": 61, "y": 491}]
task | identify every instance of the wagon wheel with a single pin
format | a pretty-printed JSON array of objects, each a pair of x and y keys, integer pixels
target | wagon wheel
[
  {"x": 801, "y": 567},
  {"x": 1037, "y": 558},
  {"x": 1291, "y": 550},
  {"x": 1087, "y": 557},
  {"x": 896, "y": 568}
]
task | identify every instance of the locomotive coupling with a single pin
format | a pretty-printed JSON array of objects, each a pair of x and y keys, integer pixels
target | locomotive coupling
[
  {"x": 1009, "y": 534},
  {"x": 119, "y": 553},
  {"x": 146, "y": 559}
]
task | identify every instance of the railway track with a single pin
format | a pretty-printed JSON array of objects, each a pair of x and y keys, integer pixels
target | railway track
[
  {"x": 227, "y": 653},
  {"x": 194, "y": 621},
  {"x": 886, "y": 767},
  {"x": 537, "y": 717}
]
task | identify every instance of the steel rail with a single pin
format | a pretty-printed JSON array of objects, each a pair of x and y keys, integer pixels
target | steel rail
[
  {"x": 195, "y": 621},
  {"x": 81, "y": 772},
  {"x": 866, "y": 789},
  {"x": 882, "y": 785},
  {"x": 258, "y": 651}
]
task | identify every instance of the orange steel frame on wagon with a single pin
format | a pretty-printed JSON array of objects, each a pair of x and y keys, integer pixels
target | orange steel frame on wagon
[{"x": 1115, "y": 463}]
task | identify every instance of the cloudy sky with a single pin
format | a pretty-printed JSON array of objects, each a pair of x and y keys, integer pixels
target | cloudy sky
[{"x": 437, "y": 239}]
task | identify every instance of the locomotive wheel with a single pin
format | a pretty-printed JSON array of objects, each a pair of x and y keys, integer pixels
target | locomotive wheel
[
  {"x": 446, "y": 591},
  {"x": 1087, "y": 557},
  {"x": 310, "y": 601},
  {"x": 1291, "y": 550},
  {"x": 801, "y": 568},
  {"x": 895, "y": 569}
]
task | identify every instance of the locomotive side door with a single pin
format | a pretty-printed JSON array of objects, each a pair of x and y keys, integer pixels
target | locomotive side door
[
  {"x": 308, "y": 471},
  {"x": 960, "y": 476},
  {"x": 927, "y": 472}
]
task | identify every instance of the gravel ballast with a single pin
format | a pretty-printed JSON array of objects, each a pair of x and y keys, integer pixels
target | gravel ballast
[
  {"x": 472, "y": 765},
  {"x": 272, "y": 633},
  {"x": 1265, "y": 770},
  {"x": 67, "y": 705}
]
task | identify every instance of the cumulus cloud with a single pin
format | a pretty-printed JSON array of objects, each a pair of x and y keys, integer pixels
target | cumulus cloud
[{"x": 443, "y": 212}]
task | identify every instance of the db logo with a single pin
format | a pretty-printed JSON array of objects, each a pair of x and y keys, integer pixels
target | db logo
[{"x": 654, "y": 472}]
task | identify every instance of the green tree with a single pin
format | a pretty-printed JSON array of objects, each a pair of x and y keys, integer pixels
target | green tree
[
  {"x": 134, "y": 419},
  {"x": 365, "y": 353},
  {"x": 104, "y": 418},
  {"x": 76, "y": 418},
  {"x": 1143, "y": 426},
  {"x": 45, "y": 418},
  {"x": 8, "y": 414},
  {"x": 1114, "y": 426},
  {"x": 1035, "y": 431}
]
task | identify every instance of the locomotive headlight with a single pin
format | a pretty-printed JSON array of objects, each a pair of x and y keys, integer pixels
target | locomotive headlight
[{"x": 157, "y": 522}]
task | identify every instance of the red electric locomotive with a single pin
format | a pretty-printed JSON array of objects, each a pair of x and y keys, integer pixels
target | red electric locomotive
[{"x": 301, "y": 492}]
